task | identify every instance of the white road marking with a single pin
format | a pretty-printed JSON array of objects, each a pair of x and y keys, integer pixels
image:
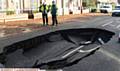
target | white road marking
[
  {"x": 71, "y": 52},
  {"x": 113, "y": 25},
  {"x": 101, "y": 41},
  {"x": 118, "y": 26},
  {"x": 90, "y": 50},
  {"x": 51, "y": 70},
  {"x": 116, "y": 58},
  {"x": 41, "y": 70},
  {"x": 60, "y": 70},
  {"x": 107, "y": 23},
  {"x": 2, "y": 33},
  {"x": 88, "y": 42}
]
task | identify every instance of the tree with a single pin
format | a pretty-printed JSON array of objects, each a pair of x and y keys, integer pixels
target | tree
[{"x": 91, "y": 3}]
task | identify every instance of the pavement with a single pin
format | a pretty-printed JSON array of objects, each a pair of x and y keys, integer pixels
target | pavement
[
  {"x": 107, "y": 58},
  {"x": 28, "y": 25}
]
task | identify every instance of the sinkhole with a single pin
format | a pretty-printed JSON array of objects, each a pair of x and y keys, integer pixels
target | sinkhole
[{"x": 55, "y": 50}]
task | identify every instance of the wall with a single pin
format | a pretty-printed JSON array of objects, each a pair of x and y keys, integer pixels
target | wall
[
  {"x": 27, "y": 5},
  {"x": 20, "y": 6}
]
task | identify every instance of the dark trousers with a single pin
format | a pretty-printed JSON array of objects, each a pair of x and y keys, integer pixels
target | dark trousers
[
  {"x": 45, "y": 19},
  {"x": 54, "y": 20}
]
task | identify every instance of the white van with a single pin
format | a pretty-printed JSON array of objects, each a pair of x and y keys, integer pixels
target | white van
[{"x": 106, "y": 8}]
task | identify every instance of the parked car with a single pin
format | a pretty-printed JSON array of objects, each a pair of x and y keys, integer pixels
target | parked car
[
  {"x": 93, "y": 10},
  {"x": 106, "y": 9},
  {"x": 116, "y": 11}
]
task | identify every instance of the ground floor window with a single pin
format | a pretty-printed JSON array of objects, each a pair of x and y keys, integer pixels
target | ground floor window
[{"x": 0, "y": 4}]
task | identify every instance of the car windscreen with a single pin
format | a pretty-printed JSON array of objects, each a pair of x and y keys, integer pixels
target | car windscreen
[
  {"x": 105, "y": 7},
  {"x": 117, "y": 7}
]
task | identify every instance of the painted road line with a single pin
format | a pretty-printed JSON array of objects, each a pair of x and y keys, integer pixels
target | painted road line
[
  {"x": 110, "y": 55},
  {"x": 90, "y": 50},
  {"x": 73, "y": 51},
  {"x": 107, "y": 23},
  {"x": 112, "y": 25},
  {"x": 53, "y": 70},
  {"x": 101, "y": 41},
  {"x": 118, "y": 26}
]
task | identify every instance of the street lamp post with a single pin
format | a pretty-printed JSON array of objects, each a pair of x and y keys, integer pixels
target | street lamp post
[{"x": 81, "y": 7}]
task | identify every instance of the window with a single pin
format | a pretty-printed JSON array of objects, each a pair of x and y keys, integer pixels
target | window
[
  {"x": 117, "y": 7},
  {"x": 105, "y": 7}
]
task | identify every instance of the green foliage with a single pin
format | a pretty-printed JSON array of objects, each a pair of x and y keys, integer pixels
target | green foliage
[
  {"x": 35, "y": 11},
  {"x": 90, "y": 3},
  {"x": 113, "y": 5},
  {"x": 93, "y": 10},
  {"x": 10, "y": 12}
]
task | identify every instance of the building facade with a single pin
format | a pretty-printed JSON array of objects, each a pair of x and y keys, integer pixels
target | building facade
[
  {"x": 2, "y": 5},
  {"x": 23, "y": 6},
  {"x": 19, "y": 6}
]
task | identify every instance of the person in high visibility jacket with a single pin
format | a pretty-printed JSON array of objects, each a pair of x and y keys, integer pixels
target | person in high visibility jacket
[
  {"x": 44, "y": 9},
  {"x": 54, "y": 13}
]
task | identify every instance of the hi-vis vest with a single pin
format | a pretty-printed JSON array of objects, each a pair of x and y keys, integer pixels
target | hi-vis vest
[{"x": 42, "y": 8}]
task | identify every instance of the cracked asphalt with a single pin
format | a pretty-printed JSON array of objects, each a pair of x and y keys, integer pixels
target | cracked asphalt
[{"x": 105, "y": 59}]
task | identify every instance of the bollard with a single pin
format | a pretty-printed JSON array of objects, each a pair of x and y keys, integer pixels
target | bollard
[
  {"x": 4, "y": 21},
  {"x": 30, "y": 15}
]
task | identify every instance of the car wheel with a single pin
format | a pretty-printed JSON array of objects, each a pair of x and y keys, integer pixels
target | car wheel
[
  {"x": 105, "y": 11},
  {"x": 113, "y": 15},
  {"x": 100, "y": 11}
]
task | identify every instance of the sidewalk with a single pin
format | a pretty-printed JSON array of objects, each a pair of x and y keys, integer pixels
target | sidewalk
[
  {"x": 24, "y": 26},
  {"x": 23, "y": 18}
]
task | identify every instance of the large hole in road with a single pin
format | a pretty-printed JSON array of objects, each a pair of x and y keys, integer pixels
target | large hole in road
[{"x": 55, "y": 50}]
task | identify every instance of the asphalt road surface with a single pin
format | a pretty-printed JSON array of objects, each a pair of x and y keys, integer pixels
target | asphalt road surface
[{"x": 107, "y": 58}]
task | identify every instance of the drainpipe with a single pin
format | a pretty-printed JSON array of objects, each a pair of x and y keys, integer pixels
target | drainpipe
[
  {"x": 23, "y": 5},
  {"x": 62, "y": 7},
  {"x": 20, "y": 6},
  {"x": 6, "y": 4}
]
